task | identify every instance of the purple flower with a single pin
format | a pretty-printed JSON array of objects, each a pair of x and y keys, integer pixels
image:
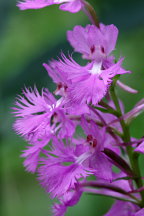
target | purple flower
[
  {"x": 58, "y": 71},
  {"x": 34, "y": 112},
  {"x": 63, "y": 166},
  {"x": 72, "y": 6},
  {"x": 58, "y": 75},
  {"x": 88, "y": 84},
  {"x": 92, "y": 42},
  {"x": 91, "y": 85},
  {"x": 40, "y": 116},
  {"x": 98, "y": 139}
]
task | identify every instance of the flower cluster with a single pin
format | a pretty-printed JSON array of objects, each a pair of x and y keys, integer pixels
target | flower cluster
[{"x": 84, "y": 132}]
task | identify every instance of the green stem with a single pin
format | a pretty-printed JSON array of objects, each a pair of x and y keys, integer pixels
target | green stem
[
  {"x": 115, "y": 131},
  {"x": 133, "y": 157},
  {"x": 107, "y": 110},
  {"x": 90, "y": 12},
  {"x": 138, "y": 179},
  {"x": 90, "y": 192}
]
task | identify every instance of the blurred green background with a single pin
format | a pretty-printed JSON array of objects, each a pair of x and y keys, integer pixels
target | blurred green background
[{"x": 29, "y": 38}]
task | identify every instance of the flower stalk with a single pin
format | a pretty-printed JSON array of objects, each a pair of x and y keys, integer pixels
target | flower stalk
[
  {"x": 133, "y": 156},
  {"x": 91, "y": 13}
]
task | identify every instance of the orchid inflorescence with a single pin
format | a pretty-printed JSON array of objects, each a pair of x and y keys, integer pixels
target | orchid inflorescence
[{"x": 62, "y": 157}]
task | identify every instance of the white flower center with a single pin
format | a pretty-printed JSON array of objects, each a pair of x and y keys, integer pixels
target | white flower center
[{"x": 96, "y": 69}]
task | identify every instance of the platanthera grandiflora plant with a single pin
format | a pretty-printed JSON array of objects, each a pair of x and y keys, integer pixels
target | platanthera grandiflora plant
[{"x": 62, "y": 159}]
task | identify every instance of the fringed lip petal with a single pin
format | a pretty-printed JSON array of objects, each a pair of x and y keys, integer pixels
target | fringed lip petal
[{"x": 58, "y": 179}]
